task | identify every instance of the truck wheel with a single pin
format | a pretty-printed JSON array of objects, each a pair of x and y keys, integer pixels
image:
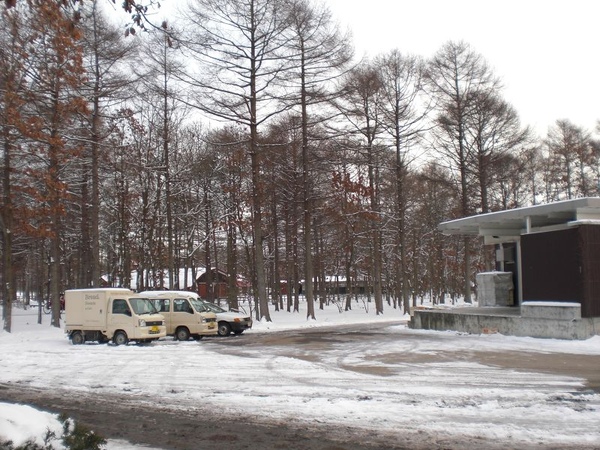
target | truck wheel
[
  {"x": 182, "y": 334},
  {"x": 77, "y": 338},
  {"x": 224, "y": 329},
  {"x": 120, "y": 338}
]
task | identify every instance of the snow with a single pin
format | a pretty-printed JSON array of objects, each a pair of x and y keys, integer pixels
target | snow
[
  {"x": 552, "y": 304},
  {"x": 20, "y": 423},
  {"x": 374, "y": 383}
]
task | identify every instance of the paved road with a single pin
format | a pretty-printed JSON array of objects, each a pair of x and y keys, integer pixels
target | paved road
[
  {"x": 168, "y": 426},
  {"x": 316, "y": 344}
]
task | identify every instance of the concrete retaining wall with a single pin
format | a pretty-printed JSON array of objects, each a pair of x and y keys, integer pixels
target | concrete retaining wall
[
  {"x": 538, "y": 327},
  {"x": 551, "y": 310}
]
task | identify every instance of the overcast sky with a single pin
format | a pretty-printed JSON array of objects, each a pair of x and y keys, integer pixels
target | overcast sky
[{"x": 545, "y": 51}]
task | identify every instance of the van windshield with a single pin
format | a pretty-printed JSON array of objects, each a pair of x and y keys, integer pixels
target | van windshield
[
  {"x": 198, "y": 305},
  {"x": 214, "y": 308},
  {"x": 142, "y": 306}
]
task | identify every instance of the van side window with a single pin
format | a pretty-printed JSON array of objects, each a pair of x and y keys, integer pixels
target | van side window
[
  {"x": 121, "y": 307},
  {"x": 182, "y": 305},
  {"x": 164, "y": 305}
]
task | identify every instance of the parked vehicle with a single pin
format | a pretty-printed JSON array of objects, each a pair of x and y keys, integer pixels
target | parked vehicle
[
  {"x": 185, "y": 314},
  {"x": 230, "y": 321},
  {"x": 111, "y": 314}
]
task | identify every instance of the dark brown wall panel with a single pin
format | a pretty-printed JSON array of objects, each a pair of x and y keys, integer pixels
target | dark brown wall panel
[
  {"x": 551, "y": 268},
  {"x": 589, "y": 242}
]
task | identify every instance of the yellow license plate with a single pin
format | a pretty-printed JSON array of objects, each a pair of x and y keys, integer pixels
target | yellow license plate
[
  {"x": 154, "y": 330},
  {"x": 211, "y": 325}
]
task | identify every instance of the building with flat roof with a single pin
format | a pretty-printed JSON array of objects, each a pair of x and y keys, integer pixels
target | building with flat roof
[{"x": 552, "y": 252}]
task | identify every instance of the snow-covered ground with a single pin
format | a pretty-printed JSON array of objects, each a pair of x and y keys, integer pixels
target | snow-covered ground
[{"x": 448, "y": 398}]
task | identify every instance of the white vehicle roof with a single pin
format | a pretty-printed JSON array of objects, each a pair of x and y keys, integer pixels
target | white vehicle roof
[
  {"x": 109, "y": 289},
  {"x": 170, "y": 294}
]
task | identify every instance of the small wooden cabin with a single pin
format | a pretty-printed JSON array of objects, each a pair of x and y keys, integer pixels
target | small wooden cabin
[{"x": 218, "y": 284}]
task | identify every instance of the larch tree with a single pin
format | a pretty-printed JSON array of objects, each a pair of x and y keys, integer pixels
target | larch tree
[
  {"x": 360, "y": 106},
  {"x": 494, "y": 131},
  {"x": 13, "y": 58},
  {"x": 228, "y": 144},
  {"x": 128, "y": 229},
  {"x": 509, "y": 191},
  {"x": 404, "y": 110},
  {"x": 55, "y": 76},
  {"x": 286, "y": 138},
  {"x": 158, "y": 84},
  {"x": 457, "y": 75},
  {"x": 237, "y": 44},
  {"x": 570, "y": 151},
  {"x": 319, "y": 53},
  {"x": 436, "y": 199},
  {"x": 105, "y": 57}
]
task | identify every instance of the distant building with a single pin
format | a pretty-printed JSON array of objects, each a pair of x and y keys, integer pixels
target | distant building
[
  {"x": 219, "y": 285},
  {"x": 187, "y": 280}
]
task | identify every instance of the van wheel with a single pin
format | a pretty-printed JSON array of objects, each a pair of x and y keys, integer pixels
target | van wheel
[
  {"x": 224, "y": 329},
  {"x": 120, "y": 338},
  {"x": 182, "y": 334},
  {"x": 77, "y": 338}
]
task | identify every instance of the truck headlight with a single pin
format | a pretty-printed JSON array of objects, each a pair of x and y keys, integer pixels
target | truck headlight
[{"x": 142, "y": 323}]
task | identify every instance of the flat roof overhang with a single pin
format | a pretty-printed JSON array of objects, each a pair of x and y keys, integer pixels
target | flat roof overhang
[{"x": 508, "y": 226}]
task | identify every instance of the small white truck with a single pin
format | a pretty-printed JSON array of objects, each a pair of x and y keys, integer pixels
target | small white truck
[{"x": 113, "y": 314}]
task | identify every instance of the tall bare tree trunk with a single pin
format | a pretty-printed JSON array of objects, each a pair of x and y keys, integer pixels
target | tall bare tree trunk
[
  {"x": 259, "y": 259},
  {"x": 94, "y": 271},
  {"x": 307, "y": 204},
  {"x": 375, "y": 232},
  {"x": 6, "y": 220}
]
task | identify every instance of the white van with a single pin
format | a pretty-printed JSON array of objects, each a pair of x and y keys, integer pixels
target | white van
[
  {"x": 111, "y": 314},
  {"x": 185, "y": 315},
  {"x": 227, "y": 321}
]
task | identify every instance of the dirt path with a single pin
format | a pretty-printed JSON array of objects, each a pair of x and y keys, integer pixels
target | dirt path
[
  {"x": 157, "y": 426},
  {"x": 154, "y": 425}
]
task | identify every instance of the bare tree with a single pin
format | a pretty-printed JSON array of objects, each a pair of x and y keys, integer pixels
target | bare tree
[
  {"x": 159, "y": 74},
  {"x": 105, "y": 52},
  {"x": 238, "y": 43},
  {"x": 12, "y": 84},
  {"x": 457, "y": 75},
  {"x": 493, "y": 131},
  {"x": 319, "y": 53},
  {"x": 571, "y": 151},
  {"x": 361, "y": 108},
  {"x": 404, "y": 111}
]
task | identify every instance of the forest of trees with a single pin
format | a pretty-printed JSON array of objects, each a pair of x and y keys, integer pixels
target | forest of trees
[{"x": 247, "y": 137}]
